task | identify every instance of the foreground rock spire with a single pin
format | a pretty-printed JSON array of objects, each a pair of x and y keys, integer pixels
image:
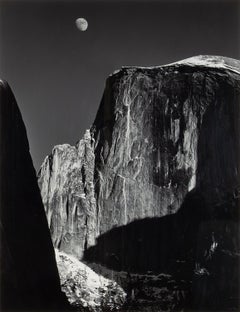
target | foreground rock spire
[{"x": 29, "y": 276}]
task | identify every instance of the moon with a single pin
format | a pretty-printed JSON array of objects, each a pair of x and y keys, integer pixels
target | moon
[{"x": 81, "y": 24}]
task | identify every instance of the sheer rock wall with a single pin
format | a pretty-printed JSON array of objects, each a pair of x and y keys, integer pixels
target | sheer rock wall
[{"x": 159, "y": 133}]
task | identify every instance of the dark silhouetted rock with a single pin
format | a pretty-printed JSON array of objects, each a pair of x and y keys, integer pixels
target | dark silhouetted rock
[{"x": 29, "y": 276}]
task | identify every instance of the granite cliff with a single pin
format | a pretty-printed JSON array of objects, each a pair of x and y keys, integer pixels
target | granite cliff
[
  {"x": 29, "y": 278},
  {"x": 154, "y": 184},
  {"x": 151, "y": 191},
  {"x": 159, "y": 133}
]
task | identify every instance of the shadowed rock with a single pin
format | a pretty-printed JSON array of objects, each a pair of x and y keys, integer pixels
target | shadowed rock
[
  {"x": 29, "y": 276},
  {"x": 192, "y": 246}
]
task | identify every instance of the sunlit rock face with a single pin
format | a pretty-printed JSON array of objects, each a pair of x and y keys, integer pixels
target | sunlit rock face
[
  {"x": 67, "y": 187},
  {"x": 159, "y": 133}
]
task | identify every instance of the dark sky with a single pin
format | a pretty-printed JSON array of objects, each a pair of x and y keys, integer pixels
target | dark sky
[{"x": 58, "y": 73}]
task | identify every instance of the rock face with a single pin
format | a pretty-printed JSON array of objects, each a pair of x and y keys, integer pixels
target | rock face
[
  {"x": 154, "y": 184},
  {"x": 159, "y": 133},
  {"x": 67, "y": 187},
  {"x": 29, "y": 276}
]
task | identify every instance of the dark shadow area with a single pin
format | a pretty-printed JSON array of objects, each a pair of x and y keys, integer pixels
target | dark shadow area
[
  {"x": 151, "y": 244},
  {"x": 189, "y": 245},
  {"x": 29, "y": 278}
]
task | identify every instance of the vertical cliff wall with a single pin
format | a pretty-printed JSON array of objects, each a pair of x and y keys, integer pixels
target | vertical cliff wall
[
  {"x": 159, "y": 133},
  {"x": 29, "y": 277}
]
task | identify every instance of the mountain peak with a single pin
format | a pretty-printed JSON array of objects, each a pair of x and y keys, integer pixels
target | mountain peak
[{"x": 210, "y": 61}]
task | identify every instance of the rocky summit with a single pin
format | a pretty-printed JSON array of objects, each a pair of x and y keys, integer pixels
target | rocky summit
[{"x": 154, "y": 184}]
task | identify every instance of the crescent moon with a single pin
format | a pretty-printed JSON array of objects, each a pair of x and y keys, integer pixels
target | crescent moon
[{"x": 81, "y": 24}]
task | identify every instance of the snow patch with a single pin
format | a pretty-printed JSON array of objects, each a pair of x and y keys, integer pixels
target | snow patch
[{"x": 85, "y": 288}]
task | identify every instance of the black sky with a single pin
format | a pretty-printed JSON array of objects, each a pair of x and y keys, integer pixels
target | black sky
[{"x": 58, "y": 73}]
